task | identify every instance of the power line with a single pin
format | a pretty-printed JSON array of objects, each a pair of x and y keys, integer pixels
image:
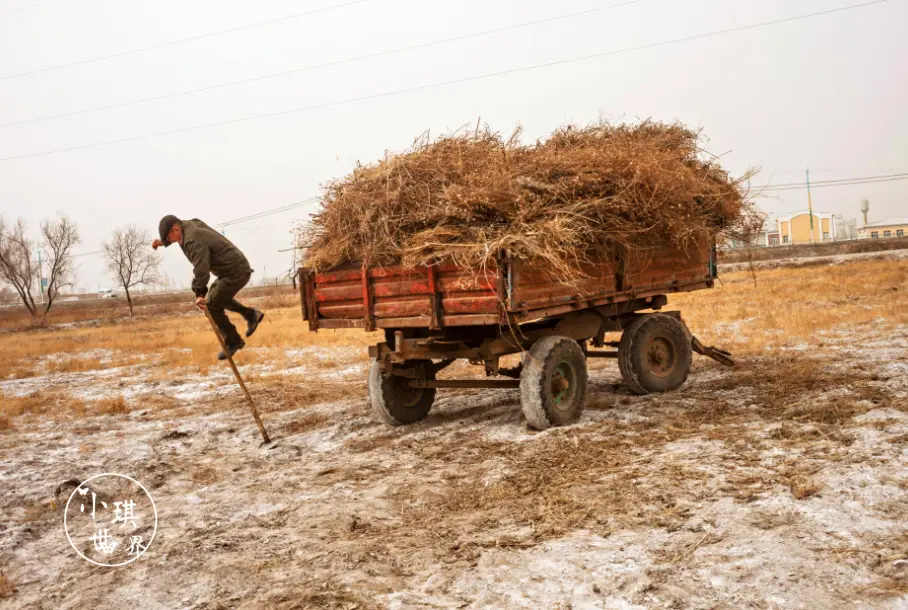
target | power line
[
  {"x": 271, "y": 212},
  {"x": 320, "y": 66},
  {"x": 184, "y": 40},
  {"x": 793, "y": 186},
  {"x": 812, "y": 185},
  {"x": 261, "y": 227},
  {"x": 787, "y": 184},
  {"x": 445, "y": 83},
  {"x": 88, "y": 253}
]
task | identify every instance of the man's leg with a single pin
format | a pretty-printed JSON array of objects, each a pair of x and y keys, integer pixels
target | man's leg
[
  {"x": 236, "y": 306},
  {"x": 252, "y": 316},
  {"x": 220, "y": 297}
]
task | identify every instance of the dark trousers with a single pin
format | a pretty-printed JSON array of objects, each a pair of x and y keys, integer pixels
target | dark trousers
[{"x": 220, "y": 297}]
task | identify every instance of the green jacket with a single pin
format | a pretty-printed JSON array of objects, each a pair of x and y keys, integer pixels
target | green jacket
[{"x": 210, "y": 252}]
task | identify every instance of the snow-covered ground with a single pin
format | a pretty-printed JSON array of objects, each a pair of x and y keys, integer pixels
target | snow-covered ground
[{"x": 782, "y": 483}]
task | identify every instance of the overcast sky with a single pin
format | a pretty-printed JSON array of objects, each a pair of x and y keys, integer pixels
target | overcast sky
[{"x": 830, "y": 91}]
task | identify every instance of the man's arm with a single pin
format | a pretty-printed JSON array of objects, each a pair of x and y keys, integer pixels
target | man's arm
[{"x": 200, "y": 257}]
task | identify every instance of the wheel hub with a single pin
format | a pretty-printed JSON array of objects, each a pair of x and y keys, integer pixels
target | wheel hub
[
  {"x": 563, "y": 384},
  {"x": 660, "y": 356},
  {"x": 407, "y": 395}
]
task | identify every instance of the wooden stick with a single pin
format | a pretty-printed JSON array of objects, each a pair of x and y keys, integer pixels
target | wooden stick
[{"x": 236, "y": 372}]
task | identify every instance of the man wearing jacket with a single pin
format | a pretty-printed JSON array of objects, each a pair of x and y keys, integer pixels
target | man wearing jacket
[{"x": 212, "y": 253}]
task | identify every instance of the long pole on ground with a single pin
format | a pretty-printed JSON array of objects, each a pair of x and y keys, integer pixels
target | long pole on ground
[{"x": 236, "y": 372}]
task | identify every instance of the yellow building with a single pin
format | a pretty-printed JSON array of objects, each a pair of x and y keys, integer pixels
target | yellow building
[
  {"x": 891, "y": 227},
  {"x": 795, "y": 229}
]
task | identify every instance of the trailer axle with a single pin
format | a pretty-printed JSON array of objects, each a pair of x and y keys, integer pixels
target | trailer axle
[{"x": 497, "y": 384}]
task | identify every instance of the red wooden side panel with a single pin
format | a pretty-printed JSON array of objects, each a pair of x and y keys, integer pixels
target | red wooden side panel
[
  {"x": 466, "y": 292},
  {"x": 533, "y": 290},
  {"x": 446, "y": 295},
  {"x": 339, "y": 293},
  {"x": 398, "y": 294},
  {"x": 668, "y": 266}
]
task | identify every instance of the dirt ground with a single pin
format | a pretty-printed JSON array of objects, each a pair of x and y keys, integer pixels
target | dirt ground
[{"x": 780, "y": 483}]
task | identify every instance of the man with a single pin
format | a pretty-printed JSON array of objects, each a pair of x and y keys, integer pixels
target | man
[{"x": 210, "y": 252}]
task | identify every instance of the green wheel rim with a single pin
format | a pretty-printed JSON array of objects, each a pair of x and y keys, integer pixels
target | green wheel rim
[{"x": 564, "y": 384}]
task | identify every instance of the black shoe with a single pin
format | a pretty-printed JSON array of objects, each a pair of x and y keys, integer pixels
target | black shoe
[
  {"x": 252, "y": 324},
  {"x": 232, "y": 349}
]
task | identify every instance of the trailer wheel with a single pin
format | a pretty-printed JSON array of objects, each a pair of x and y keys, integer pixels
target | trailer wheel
[
  {"x": 654, "y": 354},
  {"x": 553, "y": 383},
  {"x": 394, "y": 401}
]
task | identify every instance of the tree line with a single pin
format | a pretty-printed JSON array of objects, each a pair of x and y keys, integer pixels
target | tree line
[{"x": 29, "y": 269}]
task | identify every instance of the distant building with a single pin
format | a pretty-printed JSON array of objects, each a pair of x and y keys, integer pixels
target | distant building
[
  {"x": 795, "y": 229},
  {"x": 891, "y": 227},
  {"x": 845, "y": 228},
  {"x": 767, "y": 236}
]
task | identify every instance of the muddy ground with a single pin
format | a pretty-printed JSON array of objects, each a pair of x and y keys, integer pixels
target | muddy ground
[{"x": 782, "y": 483}]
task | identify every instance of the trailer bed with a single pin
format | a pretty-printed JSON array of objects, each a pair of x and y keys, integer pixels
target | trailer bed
[{"x": 508, "y": 292}]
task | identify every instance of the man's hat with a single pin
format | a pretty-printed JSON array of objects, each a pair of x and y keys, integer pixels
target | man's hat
[{"x": 164, "y": 227}]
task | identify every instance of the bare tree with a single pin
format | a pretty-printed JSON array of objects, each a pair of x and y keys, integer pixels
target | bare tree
[
  {"x": 130, "y": 261},
  {"x": 17, "y": 267},
  {"x": 20, "y": 270},
  {"x": 59, "y": 236}
]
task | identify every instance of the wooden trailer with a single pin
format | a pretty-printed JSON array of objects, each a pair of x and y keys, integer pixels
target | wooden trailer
[{"x": 436, "y": 315}]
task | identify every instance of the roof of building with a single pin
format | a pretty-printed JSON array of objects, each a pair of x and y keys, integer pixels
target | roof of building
[
  {"x": 805, "y": 213},
  {"x": 889, "y": 222}
]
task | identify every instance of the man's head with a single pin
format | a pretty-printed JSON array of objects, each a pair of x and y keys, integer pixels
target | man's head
[{"x": 170, "y": 229}]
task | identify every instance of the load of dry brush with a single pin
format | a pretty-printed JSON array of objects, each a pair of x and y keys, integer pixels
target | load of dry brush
[{"x": 464, "y": 198}]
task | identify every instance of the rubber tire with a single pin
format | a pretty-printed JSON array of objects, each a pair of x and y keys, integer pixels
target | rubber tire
[
  {"x": 535, "y": 382},
  {"x": 384, "y": 395},
  {"x": 632, "y": 359}
]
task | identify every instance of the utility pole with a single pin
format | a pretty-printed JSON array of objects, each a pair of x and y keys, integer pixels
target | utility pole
[{"x": 809, "y": 203}]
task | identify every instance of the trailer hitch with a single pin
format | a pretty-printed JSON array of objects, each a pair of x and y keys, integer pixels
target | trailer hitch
[{"x": 719, "y": 355}]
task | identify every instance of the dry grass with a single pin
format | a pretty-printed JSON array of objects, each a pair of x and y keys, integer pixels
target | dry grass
[
  {"x": 38, "y": 512},
  {"x": 464, "y": 198},
  {"x": 793, "y": 306},
  {"x": 547, "y": 488},
  {"x": 280, "y": 393},
  {"x": 50, "y": 402},
  {"x": 88, "y": 309},
  {"x": 112, "y": 406},
  {"x": 324, "y": 596},
  {"x": 305, "y": 423},
  {"x": 766, "y": 519},
  {"x": 802, "y": 487},
  {"x": 7, "y": 588},
  {"x": 168, "y": 342}
]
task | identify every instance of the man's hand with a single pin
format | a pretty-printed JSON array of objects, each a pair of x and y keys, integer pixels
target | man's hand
[
  {"x": 157, "y": 244},
  {"x": 200, "y": 303}
]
